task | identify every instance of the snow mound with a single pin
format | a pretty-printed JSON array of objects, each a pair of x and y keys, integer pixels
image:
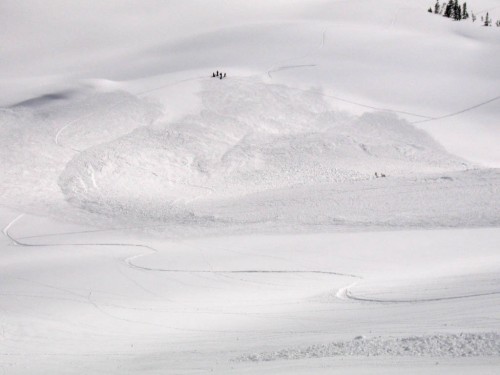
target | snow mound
[
  {"x": 38, "y": 137},
  {"x": 440, "y": 345},
  {"x": 249, "y": 137}
]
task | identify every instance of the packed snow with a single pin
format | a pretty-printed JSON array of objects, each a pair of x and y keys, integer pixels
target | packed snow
[{"x": 332, "y": 204}]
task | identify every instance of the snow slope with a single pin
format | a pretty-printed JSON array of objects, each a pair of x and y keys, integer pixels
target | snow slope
[
  {"x": 158, "y": 220},
  {"x": 94, "y": 301},
  {"x": 394, "y": 55}
]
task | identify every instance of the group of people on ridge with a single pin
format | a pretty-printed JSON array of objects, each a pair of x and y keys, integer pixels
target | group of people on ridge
[{"x": 218, "y": 74}]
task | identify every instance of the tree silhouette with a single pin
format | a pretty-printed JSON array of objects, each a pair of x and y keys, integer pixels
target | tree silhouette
[
  {"x": 487, "y": 20},
  {"x": 449, "y": 9},
  {"x": 465, "y": 14}
]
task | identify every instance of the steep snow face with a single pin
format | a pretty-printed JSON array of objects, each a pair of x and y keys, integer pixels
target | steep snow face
[{"x": 249, "y": 137}]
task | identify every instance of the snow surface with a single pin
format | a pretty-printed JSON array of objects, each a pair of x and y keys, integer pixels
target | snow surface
[{"x": 157, "y": 220}]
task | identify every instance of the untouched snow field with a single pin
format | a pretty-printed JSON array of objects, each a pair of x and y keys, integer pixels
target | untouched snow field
[{"x": 157, "y": 220}]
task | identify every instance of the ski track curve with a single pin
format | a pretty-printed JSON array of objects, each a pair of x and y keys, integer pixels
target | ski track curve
[
  {"x": 343, "y": 293},
  {"x": 274, "y": 69},
  {"x": 453, "y": 114},
  {"x": 289, "y": 67}
]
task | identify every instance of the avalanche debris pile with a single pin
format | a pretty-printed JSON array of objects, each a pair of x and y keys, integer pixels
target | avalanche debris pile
[{"x": 441, "y": 345}]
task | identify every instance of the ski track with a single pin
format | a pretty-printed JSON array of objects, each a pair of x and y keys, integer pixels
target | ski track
[
  {"x": 289, "y": 67},
  {"x": 309, "y": 54},
  {"x": 459, "y": 112},
  {"x": 344, "y": 293},
  {"x": 88, "y": 299}
]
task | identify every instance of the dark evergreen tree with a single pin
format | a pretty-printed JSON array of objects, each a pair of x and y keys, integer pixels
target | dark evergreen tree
[
  {"x": 458, "y": 13},
  {"x": 487, "y": 21},
  {"x": 455, "y": 12},
  {"x": 449, "y": 9},
  {"x": 446, "y": 11},
  {"x": 453, "y": 9},
  {"x": 465, "y": 14},
  {"x": 436, "y": 7}
]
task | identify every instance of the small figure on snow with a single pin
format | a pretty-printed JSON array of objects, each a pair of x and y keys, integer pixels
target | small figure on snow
[
  {"x": 221, "y": 76},
  {"x": 376, "y": 175},
  {"x": 213, "y": 75},
  {"x": 382, "y": 175},
  {"x": 217, "y": 73},
  {"x": 224, "y": 75}
]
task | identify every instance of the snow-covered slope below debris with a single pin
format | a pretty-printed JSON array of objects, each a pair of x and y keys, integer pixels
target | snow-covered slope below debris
[{"x": 108, "y": 300}]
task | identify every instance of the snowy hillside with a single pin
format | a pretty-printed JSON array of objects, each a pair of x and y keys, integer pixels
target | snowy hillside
[
  {"x": 332, "y": 203},
  {"x": 249, "y": 137}
]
